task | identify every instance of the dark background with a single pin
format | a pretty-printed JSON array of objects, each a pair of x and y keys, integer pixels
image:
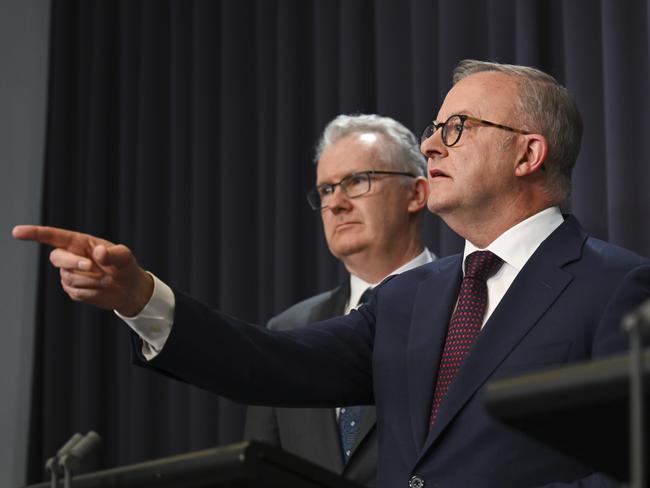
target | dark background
[{"x": 185, "y": 130}]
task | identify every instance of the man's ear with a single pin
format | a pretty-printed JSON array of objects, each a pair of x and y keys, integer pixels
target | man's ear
[
  {"x": 533, "y": 155},
  {"x": 419, "y": 195}
]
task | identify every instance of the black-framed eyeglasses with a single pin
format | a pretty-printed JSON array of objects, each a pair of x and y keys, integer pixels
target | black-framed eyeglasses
[
  {"x": 453, "y": 127},
  {"x": 353, "y": 185}
]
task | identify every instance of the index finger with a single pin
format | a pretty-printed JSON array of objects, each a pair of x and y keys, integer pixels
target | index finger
[{"x": 52, "y": 236}]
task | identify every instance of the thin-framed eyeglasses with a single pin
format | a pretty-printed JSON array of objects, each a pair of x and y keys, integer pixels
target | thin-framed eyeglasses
[
  {"x": 453, "y": 127},
  {"x": 353, "y": 185}
]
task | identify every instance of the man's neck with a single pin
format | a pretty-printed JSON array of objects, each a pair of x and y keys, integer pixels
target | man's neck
[
  {"x": 373, "y": 269},
  {"x": 483, "y": 230}
]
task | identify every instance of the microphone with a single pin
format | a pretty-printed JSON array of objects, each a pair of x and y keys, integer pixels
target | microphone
[
  {"x": 52, "y": 464},
  {"x": 639, "y": 319},
  {"x": 74, "y": 458},
  {"x": 637, "y": 326}
]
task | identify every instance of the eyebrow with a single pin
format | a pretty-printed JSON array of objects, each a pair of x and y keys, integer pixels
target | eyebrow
[
  {"x": 459, "y": 112},
  {"x": 344, "y": 176}
]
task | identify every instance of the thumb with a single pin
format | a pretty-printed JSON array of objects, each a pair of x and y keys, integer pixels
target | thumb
[{"x": 118, "y": 256}]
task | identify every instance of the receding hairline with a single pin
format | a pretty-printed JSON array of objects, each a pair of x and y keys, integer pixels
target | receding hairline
[
  {"x": 374, "y": 146},
  {"x": 396, "y": 146},
  {"x": 468, "y": 67}
]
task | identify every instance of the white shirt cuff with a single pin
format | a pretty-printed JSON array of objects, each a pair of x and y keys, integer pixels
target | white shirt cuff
[{"x": 154, "y": 323}]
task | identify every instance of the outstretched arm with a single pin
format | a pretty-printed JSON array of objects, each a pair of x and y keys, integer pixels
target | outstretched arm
[{"x": 94, "y": 270}]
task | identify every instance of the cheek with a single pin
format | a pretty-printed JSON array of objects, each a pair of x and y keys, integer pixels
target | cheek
[
  {"x": 328, "y": 225},
  {"x": 471, "y": 173},
  {"x": 384, "y": 218}
]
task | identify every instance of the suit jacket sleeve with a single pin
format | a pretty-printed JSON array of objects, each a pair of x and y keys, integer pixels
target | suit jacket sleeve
[
  {"x": 262, "y": 422},
  {"x": 250, "y": 364}
]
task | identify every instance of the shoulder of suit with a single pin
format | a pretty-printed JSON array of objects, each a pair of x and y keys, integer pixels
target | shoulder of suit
[
  {"x": 612, "y": 255},
  {"x": 299, "y": 313},
  {"x": 423, "y": 272}
]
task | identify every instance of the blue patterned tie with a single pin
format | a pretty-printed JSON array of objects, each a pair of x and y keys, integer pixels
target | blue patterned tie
[
  {"x": 349, "y": 417},
  {"x": 349, "y": 425}
]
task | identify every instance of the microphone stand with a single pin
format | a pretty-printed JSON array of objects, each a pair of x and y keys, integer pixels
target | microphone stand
[
  {"x": 637, "y": 326},
  {"x": 67, "y": 478},
  {"x": 52, "y": 467},
  {"x": 79, "y": 453},
  {"x": 52, "y": 464}
]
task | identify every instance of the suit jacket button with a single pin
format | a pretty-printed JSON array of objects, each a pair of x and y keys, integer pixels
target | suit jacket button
[{"x": 416, "y": 482}]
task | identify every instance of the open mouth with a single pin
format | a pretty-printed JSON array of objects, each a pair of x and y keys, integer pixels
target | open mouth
[{"x": 436, "y": 173}]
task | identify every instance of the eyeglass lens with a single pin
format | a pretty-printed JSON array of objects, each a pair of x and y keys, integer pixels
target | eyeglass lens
[
  {"x": 353, "y": 185},
  {"x": 452, "y": 129}
]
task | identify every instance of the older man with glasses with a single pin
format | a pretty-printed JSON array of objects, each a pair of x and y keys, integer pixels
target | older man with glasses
[
  {"x": 530, "y": 290},
  {"x": 371, "y": 194}
]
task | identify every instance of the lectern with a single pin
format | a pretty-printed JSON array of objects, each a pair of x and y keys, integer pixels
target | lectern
[
  {"x": 241, "y": 465},
  {"x": 581, "y": 410}
]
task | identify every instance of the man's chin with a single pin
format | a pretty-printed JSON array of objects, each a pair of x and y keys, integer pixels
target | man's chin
[
  {"x": 342, "y": 250},
  {"x": 438, "y": 206}
]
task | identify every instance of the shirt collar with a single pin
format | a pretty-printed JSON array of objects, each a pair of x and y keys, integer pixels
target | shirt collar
[
  {"x": 358, "y": 286},
  {"x": 516, "y": 245}
]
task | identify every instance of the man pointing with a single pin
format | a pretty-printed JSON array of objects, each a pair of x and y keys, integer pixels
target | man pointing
[{"x": 530, "y": 290}]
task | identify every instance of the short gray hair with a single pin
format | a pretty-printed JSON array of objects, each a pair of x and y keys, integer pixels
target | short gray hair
[
  {"x": 545, "y": 107},
  {"x": 400, "y": 148}
]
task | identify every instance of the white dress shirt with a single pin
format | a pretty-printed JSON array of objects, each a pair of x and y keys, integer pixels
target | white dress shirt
[
  {"x": 154, "y": 323},
  {"x": 515, "y": 247},
  {"x": 358, "y": 286}
]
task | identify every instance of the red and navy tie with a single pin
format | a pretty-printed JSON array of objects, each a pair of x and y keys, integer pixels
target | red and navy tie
[{"x": 466, "y": 321}]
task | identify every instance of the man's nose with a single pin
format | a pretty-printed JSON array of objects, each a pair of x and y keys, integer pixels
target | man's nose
[
  {"x": 433, "y": 146},
  {"x": 338, "y": 200}
]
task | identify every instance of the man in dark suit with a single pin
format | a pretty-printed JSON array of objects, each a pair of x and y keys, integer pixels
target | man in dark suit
[
  {"x": 389, "y": 242},
  {"x": 530, "y": 290}
]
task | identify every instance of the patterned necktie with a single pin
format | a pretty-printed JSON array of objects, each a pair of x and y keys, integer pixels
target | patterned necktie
[
  {"x": 349, "y": 417},
  {"x": 466, "y": 321}
]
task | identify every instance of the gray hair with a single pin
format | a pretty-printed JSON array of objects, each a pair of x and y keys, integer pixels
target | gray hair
[
  {"x": 400, "y": 148},
  {"x": 545, "y": 107}
]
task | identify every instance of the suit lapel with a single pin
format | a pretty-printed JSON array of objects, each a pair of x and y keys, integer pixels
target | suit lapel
[
  {"x": 534, "y": 290},
  {"x": 433, "y": 304},
  {"x": 334, "y": 305},
  {"x": 317, "y": 426}
]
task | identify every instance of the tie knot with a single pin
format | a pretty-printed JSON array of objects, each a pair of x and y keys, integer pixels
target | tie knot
[{"x": 482, "y": 264}]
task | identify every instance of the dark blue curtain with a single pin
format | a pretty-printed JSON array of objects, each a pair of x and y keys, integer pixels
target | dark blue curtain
[{"x": 185, "y": 129}]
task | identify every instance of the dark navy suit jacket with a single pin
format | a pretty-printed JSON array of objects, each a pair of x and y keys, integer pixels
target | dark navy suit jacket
[{"x": 564, "y": 306}]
